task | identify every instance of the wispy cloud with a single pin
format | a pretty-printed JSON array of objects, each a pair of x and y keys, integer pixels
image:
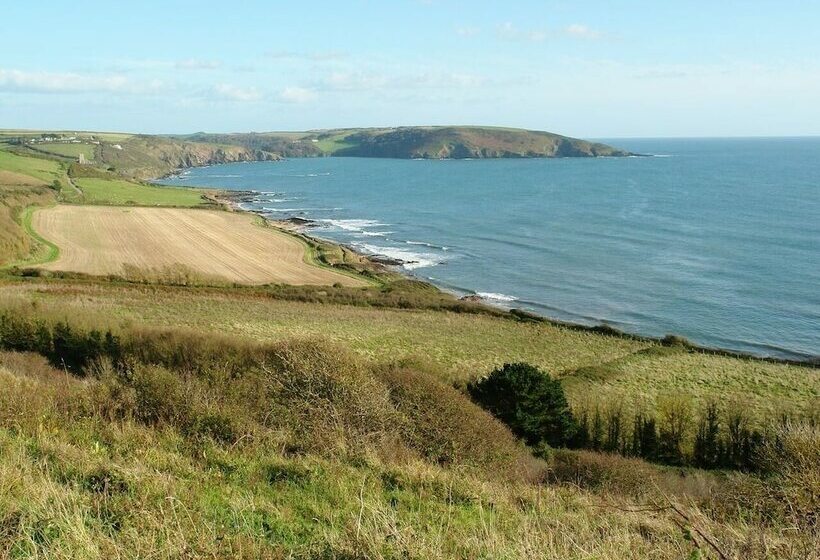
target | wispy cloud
[
  {"x": 231, "y": 92},
  {"x": 197, "y": 64},
  {"x": 363, "y": 81},
  {"x": 468, "y": 31},
  {"x": 317, "y": 56},
  {"x": 67, "y": 82},
  {"x": 582, "y": 31},
  {"x": 295, "y": 94},
  {"x": 510, "y": 32}
]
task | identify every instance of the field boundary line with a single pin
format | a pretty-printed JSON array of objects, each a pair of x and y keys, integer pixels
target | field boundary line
[{"x": 52, "y": 251}]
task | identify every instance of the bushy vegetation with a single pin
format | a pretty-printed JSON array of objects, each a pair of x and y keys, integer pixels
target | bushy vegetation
[
  {"x": 676, "y": 433},
  {"x": 534, "y": 407},
  {"x": 171, "y": 442},
  {"x": 16, "y": 244}
]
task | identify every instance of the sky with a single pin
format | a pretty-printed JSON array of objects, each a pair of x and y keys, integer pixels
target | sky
[{"x": 590, "y": 69}]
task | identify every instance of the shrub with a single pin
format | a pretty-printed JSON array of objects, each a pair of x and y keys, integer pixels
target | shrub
[
  {"x": 160, "y": 396},
  {"x": 529, "y": 401},
  {"x": 601, "y": 471},
  {"x": 324, "y": 396},
  {"x": 442, "y": 425}
]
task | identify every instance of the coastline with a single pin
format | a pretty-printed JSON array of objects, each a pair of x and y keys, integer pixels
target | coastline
[{"x": 232, "y": 201}]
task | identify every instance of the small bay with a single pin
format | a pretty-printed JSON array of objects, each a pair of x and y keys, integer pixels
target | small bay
[{"x": 716, "y": 240}]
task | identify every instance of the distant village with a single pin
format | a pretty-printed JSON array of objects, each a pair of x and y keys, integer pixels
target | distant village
[{"x": 66, "y": 139}]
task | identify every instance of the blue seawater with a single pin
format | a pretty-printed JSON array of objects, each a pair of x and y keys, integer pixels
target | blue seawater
[{"x": 716, "y": 240}]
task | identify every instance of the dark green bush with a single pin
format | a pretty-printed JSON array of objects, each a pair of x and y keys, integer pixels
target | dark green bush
[{"x": 529, "y": 401}]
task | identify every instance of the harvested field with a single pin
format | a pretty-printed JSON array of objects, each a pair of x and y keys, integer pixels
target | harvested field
[{"x": 211, "y": 244}]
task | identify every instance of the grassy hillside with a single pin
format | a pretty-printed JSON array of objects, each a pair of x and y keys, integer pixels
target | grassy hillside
[
  {"x": 418, "y": 142},
  {"x": 117, "y": 191},
  {"x": 187, "y": 419},
  {"x": 168, "y": 443},
  {"x": 455, "y": 347},
  {"x": 24, "y": 182},
  {"x": 147, "y": 157}
]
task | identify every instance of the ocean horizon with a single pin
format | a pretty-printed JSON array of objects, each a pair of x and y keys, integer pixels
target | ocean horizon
[{"x": 712, "y": 239}]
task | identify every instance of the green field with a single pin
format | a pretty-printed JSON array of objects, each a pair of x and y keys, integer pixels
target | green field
[
  {"x": 199, "y": 445},
  {"x": 105, "y": 191},
  {"x": 459, "y": 347},
  {"x": 157, "y": 419},
  {"x": 43, "y": 169},
  {"x": 69, "y": 150},
  {"x": 332, "y": 143}
]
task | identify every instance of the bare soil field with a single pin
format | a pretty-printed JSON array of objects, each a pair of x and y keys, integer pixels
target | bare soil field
[{"x": 213, "y": 244}]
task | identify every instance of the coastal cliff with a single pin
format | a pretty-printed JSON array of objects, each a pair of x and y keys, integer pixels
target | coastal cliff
[
  {"x": 411, "y": 142},
  {"x": 146, "y": 157},
  {"x": 140, "y": 156}
]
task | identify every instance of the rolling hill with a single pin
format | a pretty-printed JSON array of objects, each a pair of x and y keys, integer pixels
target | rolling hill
[{"x": 428, "y": 142}]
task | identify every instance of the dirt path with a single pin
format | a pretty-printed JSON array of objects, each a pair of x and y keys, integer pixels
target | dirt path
[{"x": 213, "y": 244}]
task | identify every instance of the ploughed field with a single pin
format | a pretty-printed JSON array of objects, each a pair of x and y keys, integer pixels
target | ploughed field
[{"x": 209, "y": 244}]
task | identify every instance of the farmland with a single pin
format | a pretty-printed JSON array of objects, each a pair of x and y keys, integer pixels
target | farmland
[
  {"x": 118, "y": 191},
  {"x": 215, "y": 245},
  {"x": 185, "y": 381}
]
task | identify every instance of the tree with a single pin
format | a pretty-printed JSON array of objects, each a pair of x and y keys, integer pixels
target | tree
[
  {"x": 675, "y": 418},
  {"x": 529, "y": 401},
  {"x": 707, "y": 451}
]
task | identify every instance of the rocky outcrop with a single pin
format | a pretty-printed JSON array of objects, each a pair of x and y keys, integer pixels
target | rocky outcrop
[{"x": 147, "y": 157}]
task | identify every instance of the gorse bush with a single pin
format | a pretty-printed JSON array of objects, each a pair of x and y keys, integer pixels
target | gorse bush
[
  {"x": 445, "y": 427},
  {"x": 303, "y": 395},
  {"x": 529, "y": 401},
  {"x": 182, "y": 444}
]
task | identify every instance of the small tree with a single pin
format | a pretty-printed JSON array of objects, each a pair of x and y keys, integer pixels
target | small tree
[
  {"x": 529, "y": 401},
  {"x": 707, "y": 452}
]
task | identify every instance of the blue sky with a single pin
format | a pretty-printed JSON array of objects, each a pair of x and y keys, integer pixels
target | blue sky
[{"x": 591, "y": 69}]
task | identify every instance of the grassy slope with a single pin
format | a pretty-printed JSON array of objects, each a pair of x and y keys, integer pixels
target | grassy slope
[
  {"x": 457, "y": 346},
  {"x": 209, "y": 447},
  {"x": 107, "y": 191},
  {"x": 72, "y": 151},
  {"x": 415, "y": 141},
  {"x": 23, "y": 183},
  {"x": 42, "y": 169}
]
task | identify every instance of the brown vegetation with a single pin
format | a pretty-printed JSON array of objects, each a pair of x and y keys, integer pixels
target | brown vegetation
[{"x": 223, "y": 245}]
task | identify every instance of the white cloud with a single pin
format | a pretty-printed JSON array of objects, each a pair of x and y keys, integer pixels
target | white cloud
[
  {"x": 67, "y": 82},
  {"x": 360, "y": 81},
  {"x": 297, "y": 95},
  {"x": 510, "y": 32},
  {"x": 318, "y": 56},
  {"x": 467, "y": 31},
  {"x": 197, "y": 64},
  {"x": 236, "y": 93},
  {"x": 581, "y": 31}
]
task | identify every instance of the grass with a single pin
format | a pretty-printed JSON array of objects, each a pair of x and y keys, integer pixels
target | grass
[
  {"x": 221, "y": 448},
  {"x": 291, "y": 422},
  {"x": 456, "y": 346},
  {"x": 121, "y": 192},
  {"x": 43, "y": 250},
  {"x": 332, "y": 143},
  {"x": 16, "y": 245},
  {"x": 42, "y": 169},
  {"x": 69, "y": 150}
]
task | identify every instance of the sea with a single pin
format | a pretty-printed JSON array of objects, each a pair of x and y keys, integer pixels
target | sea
[{"x": 715, "y": 240}]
